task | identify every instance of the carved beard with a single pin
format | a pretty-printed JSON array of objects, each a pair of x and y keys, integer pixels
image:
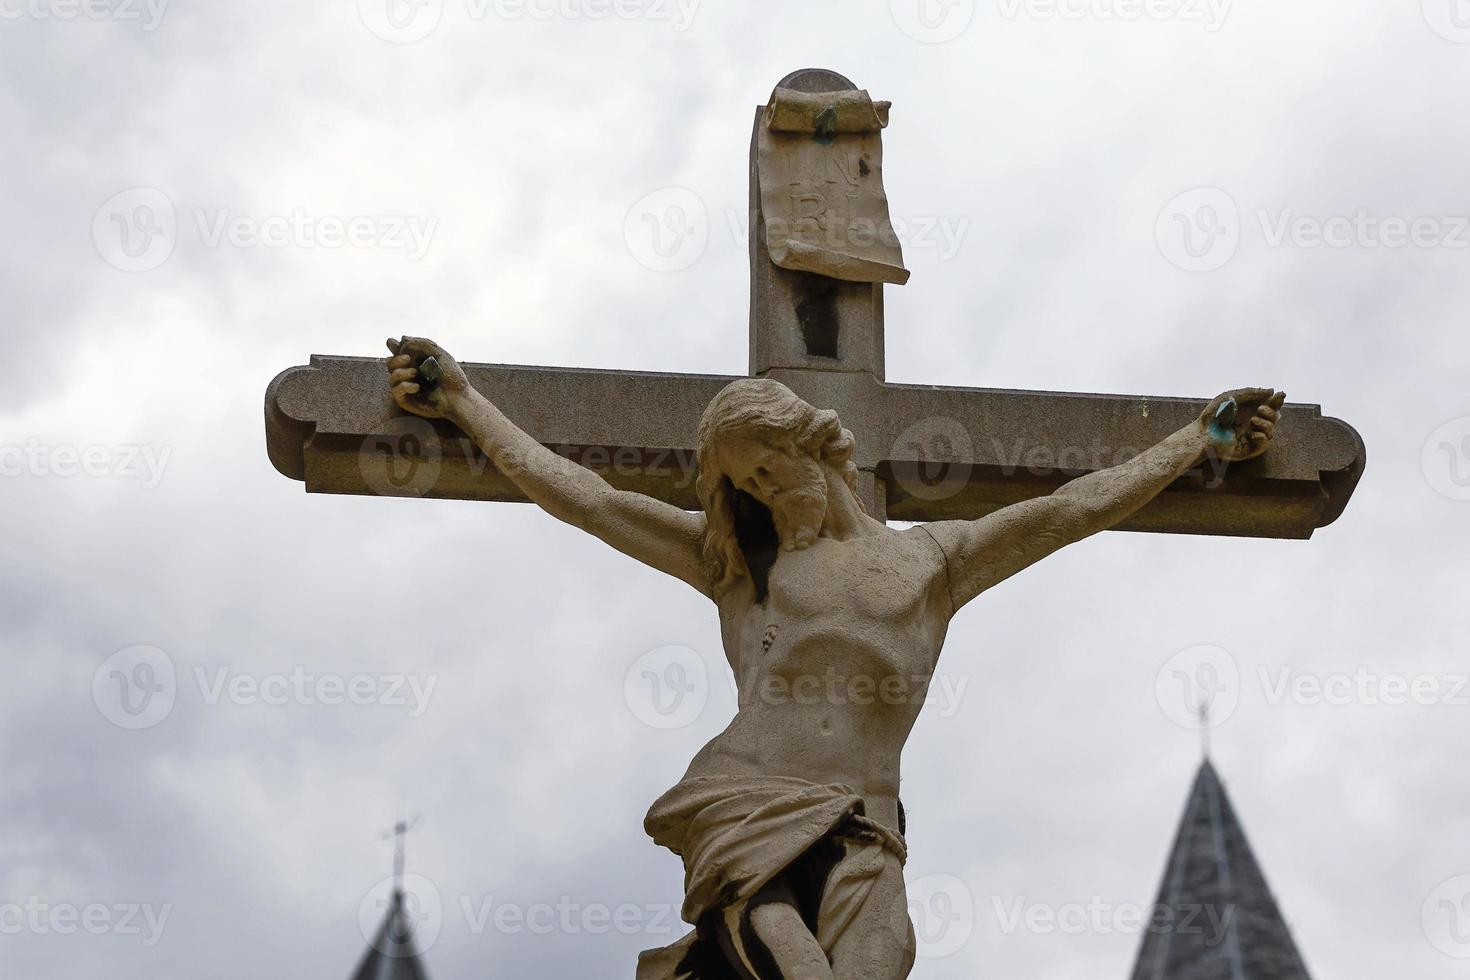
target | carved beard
[{"x": 798, "y": 515}]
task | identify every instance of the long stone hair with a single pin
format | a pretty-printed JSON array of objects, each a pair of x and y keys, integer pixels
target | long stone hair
[{"x": 771, "y": 412}]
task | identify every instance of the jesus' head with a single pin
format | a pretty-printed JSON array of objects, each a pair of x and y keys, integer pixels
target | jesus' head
[{"x": 765, "y": 456}]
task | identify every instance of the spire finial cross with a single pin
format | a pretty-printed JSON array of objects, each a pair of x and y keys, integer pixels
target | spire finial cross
[
  {"x": 399, "y": 833},
  {"x": 1204, "y": 726}
]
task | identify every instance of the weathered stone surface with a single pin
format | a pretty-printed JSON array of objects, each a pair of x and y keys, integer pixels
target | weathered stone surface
[
  {"x": 823, "y": 208},
  {"x": 789, "y": 821},
  {"x": 940, "y": 452},
  {"x": 759, "y": 495},
  {"x": 797, "y": 319}
]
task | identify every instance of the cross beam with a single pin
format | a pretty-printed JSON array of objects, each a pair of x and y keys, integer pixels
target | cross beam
[
  {"x": 936, "y": 452},
  {"x": 923, "y": 452}
]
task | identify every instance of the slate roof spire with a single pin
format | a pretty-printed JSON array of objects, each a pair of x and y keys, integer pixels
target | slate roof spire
[
  {"x": 392, "y": 954},
  {"x": 1222, "y": 921}
]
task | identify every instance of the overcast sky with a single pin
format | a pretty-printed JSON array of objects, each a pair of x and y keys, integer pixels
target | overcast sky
[{"x": 229, "y": 826}]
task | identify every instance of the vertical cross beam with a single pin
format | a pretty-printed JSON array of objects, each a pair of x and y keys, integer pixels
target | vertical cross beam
[{"x": 802, "y": 321}]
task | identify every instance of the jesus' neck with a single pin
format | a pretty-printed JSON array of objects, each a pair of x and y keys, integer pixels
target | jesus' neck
[{"x": 845, "y": 517}]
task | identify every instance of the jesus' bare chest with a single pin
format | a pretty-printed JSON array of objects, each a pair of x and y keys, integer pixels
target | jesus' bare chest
[{"x": 874, "y": 605}]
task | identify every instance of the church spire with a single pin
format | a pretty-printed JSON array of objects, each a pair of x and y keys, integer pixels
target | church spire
[
  {"x": 392, "y": 954},
  {"x": 1215, "y": 916}
]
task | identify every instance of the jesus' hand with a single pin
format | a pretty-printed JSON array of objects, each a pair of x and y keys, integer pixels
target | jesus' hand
[
  {"x": 1241, "y": 424},
  {"x": 415, "y": 389}
]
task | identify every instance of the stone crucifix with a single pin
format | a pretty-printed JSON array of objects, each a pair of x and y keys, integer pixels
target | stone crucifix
[{"x": 788, "y": 822}]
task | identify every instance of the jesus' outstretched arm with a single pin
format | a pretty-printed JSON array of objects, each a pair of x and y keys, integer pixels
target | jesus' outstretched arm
[
  {"x": 655, "y": 533},
  {"x": 1236, "y": 426}
]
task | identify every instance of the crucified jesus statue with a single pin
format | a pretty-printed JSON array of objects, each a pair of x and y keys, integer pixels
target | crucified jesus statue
[{"x": 789, "y": 822}]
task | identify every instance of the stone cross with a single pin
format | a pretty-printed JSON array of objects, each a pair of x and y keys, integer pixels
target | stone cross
[{"x": 924, "y": 452}]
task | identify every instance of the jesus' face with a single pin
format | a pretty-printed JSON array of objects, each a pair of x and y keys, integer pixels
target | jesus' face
[{"x": 792, "y": 484}]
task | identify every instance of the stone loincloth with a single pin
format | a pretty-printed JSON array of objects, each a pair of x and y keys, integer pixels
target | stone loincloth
[{"x": 737, "y": 833}]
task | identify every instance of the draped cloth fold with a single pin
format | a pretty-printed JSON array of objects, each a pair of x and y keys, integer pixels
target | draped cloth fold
[
  {"x": 819, "y": 164},
  {"x": 737, "y": 833}
]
